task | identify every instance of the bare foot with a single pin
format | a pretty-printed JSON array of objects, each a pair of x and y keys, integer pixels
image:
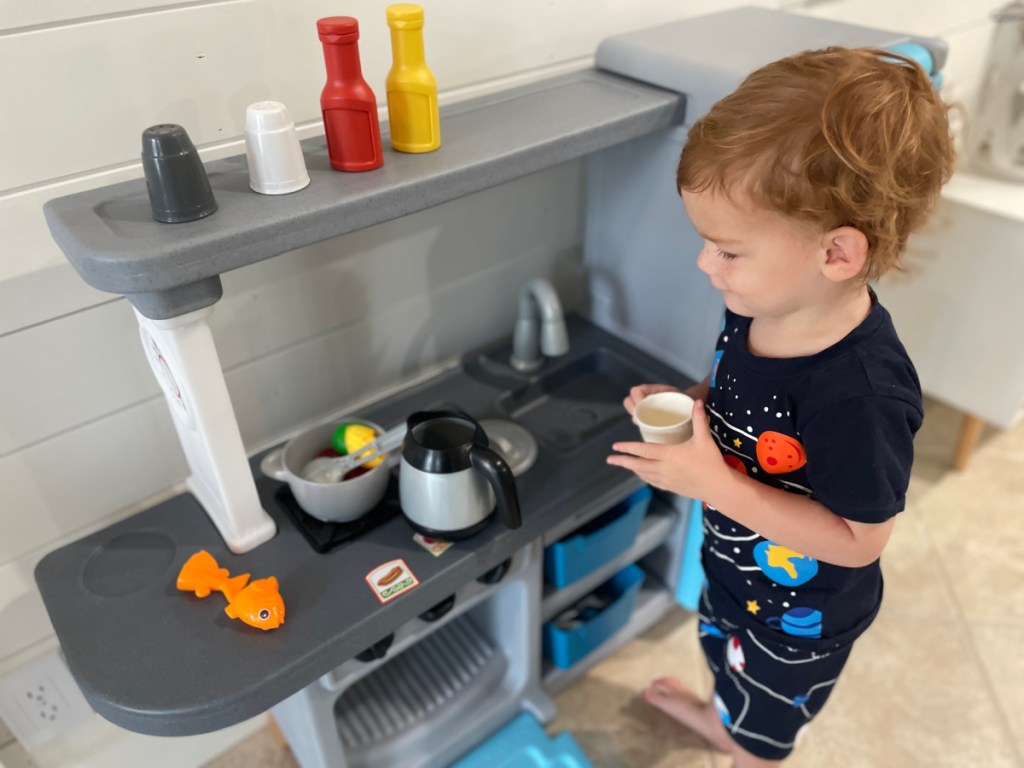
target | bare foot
[{"x": 672, "y": 697}]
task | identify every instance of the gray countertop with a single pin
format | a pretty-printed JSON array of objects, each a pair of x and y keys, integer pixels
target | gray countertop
[{"x": 156, "y": 660}]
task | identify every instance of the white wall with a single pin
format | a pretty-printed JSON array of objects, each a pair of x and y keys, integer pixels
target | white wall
[
  {"x": 84, "y": 436},
  {"x": 966, "y": 26}
]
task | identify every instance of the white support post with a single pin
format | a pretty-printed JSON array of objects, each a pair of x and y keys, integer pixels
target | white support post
[{"x": 184, "y": 360}]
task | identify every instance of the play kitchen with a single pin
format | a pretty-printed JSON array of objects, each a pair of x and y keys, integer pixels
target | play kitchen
[
  {"x": 501, "y": 618},
  {"x": 486, "y": 555}
]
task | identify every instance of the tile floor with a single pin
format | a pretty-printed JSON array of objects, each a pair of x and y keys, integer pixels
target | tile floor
[{"x": 937, "y": 681}]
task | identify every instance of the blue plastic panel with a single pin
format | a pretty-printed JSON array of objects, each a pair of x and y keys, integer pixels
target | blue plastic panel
[
  {"x": 691, "y": 572},
  {"x": 565, "y": 647},
  {"x": 597, "y": 542},
  {"x": 524, "y": 744}
]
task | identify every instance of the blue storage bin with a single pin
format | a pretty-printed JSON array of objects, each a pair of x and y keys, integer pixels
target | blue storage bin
[
  {"x": 564, "y": 647},
  {"x": 522, "y": 743},
  {"x": 597, "y": 542}
]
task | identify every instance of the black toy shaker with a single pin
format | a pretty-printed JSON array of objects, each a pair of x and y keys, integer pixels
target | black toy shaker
[{"x": 179, "y": 189}]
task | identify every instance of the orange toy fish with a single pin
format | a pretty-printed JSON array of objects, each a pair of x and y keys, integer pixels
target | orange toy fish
[
  {"x": 259, "y": 604},
  {"x": 201, "y": 574}
]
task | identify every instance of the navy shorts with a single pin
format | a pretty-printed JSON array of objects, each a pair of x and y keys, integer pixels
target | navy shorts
[{"x": 766, "y": 691}]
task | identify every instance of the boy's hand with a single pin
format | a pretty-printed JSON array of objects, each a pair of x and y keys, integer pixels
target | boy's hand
[
  {"x": 639, "y": 392},
  {"x": 694, "y": 469}
]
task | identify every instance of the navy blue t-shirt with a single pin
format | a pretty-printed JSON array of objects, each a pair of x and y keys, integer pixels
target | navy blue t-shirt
[{"x": 837, "y": 426}]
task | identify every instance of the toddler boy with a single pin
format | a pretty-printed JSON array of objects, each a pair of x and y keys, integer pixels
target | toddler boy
[{"x": 804, "y": 184}]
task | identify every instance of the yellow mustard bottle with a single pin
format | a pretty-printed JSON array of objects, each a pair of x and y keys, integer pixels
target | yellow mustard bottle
[{"x": 413, "y": 120}]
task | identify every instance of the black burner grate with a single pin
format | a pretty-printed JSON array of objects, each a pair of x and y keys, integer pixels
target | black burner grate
[{"x": 324, "y": 537}]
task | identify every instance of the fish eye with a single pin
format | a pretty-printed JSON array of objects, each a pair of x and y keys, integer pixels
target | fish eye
[{"x": 264, "y": 614}]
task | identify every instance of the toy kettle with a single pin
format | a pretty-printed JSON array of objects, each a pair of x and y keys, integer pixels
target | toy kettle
[
  {"x": 450, "y": 480},
  {"x": 997, "y": 137}
]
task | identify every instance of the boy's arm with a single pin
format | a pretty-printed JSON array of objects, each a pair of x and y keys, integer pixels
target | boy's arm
[
  {"x": 700, "y": 390},
  {"x": 695, "y": 469},
  {"x": 798, "y": 522}
]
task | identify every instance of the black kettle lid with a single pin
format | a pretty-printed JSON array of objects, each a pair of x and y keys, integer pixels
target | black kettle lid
[{"x": 438, "y": 442}]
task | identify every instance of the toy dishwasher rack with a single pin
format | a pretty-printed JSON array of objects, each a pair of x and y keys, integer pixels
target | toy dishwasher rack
[{"x": 171, "y": 272}]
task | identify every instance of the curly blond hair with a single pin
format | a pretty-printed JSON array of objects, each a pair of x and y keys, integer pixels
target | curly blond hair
[{"x": 836, "y": 137}]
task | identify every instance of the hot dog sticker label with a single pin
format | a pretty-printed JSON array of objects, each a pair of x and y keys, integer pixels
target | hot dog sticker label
[{"x": 391, "y": 579}]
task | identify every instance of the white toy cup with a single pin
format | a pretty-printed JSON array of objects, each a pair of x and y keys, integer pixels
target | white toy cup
[
  {"x": 665, "y": 417},
  {"x": 276, "y": 164}
]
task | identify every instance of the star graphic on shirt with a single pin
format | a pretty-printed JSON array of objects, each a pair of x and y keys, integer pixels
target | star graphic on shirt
[
  {"x": 753, "y": 607},
  {"x": 737, "y": 442}
]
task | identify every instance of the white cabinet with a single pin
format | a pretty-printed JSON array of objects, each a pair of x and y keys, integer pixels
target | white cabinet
[{"x": 957, "y": 306}]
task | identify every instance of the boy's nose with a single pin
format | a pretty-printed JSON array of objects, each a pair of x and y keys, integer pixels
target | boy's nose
[{"x": 705, "y": 262}]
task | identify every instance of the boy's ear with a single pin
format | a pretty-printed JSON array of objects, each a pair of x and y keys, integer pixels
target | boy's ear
[{"x": 846, "y": 253}]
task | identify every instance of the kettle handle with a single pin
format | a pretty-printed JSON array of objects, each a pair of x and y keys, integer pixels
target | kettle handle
[{"x": 500, "y": 476}]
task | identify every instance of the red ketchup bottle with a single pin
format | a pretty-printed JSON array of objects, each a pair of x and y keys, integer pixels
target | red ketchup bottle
[{"x": 349, "y": 106}]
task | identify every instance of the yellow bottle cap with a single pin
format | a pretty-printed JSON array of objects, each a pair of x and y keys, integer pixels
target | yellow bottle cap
[{"x": 405, "y": 16}]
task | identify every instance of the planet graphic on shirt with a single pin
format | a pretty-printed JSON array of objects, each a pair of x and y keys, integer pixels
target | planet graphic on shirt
[
  {"x": 735, "y": 462},
  {"x": 783, "y": 565},
  {"x": 734, "y": 654},
  {"x": 798, "y": 622},
  {"x": 778, "y": 453}
]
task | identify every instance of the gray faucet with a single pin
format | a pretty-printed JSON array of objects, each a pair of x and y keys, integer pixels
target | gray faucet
[{"x": 538, "y": 301}]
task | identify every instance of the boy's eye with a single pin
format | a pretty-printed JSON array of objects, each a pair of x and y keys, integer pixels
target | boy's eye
[{"x": 726, "y": 255}]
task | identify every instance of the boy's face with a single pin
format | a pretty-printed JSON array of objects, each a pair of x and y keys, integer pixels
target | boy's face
[{"x": 763, "y": 263}]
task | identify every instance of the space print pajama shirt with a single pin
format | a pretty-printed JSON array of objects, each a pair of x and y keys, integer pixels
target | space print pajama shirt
[{"x": 777, "y": 626}]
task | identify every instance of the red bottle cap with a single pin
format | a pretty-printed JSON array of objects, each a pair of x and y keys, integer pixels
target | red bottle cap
[{"x": 338, "y": 29}]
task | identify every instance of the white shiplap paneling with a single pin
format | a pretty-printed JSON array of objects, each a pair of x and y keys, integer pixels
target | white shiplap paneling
[
  {"x": 16, "y": 16},
  {"x": 88, "y": 365},
  {"x": 201, "y": 65},
  {"x": 298, "y": 336}
]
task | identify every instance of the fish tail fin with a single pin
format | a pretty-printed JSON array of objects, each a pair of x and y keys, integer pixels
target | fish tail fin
[
  {"x": 199, "y": 574},
  {"x": 231, "y": 587}
]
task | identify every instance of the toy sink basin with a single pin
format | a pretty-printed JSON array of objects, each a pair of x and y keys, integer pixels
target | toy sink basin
[{"x": 576, "y": 402}]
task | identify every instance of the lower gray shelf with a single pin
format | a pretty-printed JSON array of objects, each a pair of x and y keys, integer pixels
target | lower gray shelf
[{"x": 452, "y": 676}]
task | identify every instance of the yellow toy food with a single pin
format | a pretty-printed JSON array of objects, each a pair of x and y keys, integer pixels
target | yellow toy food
[{"x": 351, "y": 437}]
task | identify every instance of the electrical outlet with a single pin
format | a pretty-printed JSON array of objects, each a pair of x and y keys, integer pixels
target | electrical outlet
[{"x": 40, "y": 700}]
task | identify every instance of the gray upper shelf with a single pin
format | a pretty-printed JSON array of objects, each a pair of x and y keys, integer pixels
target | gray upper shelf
[{"x": 111, "y": 238}]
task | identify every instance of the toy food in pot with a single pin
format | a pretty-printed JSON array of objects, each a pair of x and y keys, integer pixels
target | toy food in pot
[
  {"x": 357, "y": 450},
  {"x": 332, "y": 502},
  {"x": 350, "y": 437}
]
